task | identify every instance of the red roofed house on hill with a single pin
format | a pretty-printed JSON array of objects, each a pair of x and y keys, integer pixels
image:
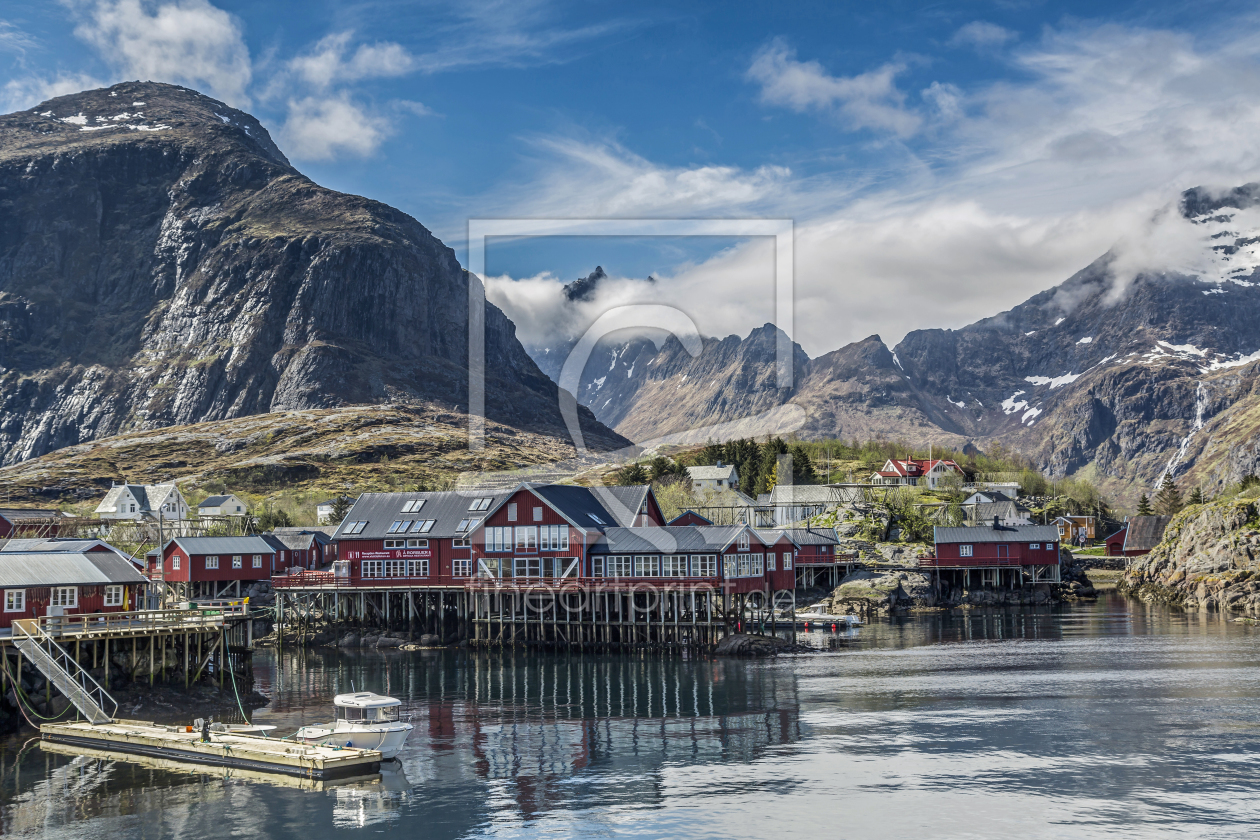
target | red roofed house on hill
[{"x": 913, "y": 472}]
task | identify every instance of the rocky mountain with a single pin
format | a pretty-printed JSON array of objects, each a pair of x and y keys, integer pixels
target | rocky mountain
[
  {"x": 162, "y": 263},
  {"x": 1120, "y": 381}
]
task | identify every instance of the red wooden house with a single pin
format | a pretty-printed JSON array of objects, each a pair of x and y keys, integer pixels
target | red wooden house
[
  {"x": 690, "y": 517},
  {"x": 1017, "y": 550},
  {"x": 1139, "y": 535},
  {"x": 215, "y": 567},
  {"x": 1115, "y": 543},
  {"x": 72, "y": 582},
  {"x": 305, "y": 548},
  {"x": 28, "y": 522}
]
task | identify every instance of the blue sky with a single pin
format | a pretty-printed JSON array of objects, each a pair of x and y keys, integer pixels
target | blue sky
[{"x": 941, "y": 161}]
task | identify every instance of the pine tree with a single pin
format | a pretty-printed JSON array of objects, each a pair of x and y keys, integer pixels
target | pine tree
[
  {"x": 1144, "y": 506},
  {"x": 632, "y": 474},
  {"x": 340, "y": 507},
  {"x": 1196, "y": 497},
  {"x": 711, "y": 454},
  {"x": 1168, "y": 500},
  {"x": 803, "y": 471}
]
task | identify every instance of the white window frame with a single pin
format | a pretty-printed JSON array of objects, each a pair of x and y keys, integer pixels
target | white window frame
[
  {"x": 461, "y": 568},
  {"x": 461, "y": 542},
  {"x": 370, "y": 569},
  {"x": 417, "y": 543},
  {"x": 64, "y": 596},
  {"x": 646, "y": 565},
  {"x": 511, "y": 512},
  {"x": 743, "y": 541},
  {"x": 787, "y": 561},
  {"x": 257, "y": 561},
  {"x": 966, "y": 551},
  {"x": 418, "y": 567},
  {"x": 526, "y": 539},
  {"x": 175, "y": 562},
  {"x": 395, "y": 543},
  {"x": 730, "y": 566},
  {"x": 394, "y": 568},
  {"x": 14, "y": 600},
  {"x": 758, "y": 565},
  {"x": 236, "y": 561},
  {"x": 770, "y": 564},
  {"x": 704, "y": 565},
  {"x": 538, "y": 513},
  {"x": 1034, "y": 546},
  {"x": 212, "y": 561},
  {"x": 114, "y": 596}
]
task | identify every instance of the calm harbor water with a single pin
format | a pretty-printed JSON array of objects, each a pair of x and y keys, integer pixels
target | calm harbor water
[{"x": 1109, "y": 719}]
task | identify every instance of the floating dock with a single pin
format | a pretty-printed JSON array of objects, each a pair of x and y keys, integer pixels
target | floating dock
[{"x": 241, "y": 752}]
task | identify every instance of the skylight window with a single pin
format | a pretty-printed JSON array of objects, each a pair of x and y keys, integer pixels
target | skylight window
[
  {"x": 354, "y": 527},
  {"x": 413, "y": 506},
  {"x": 466, "y": 525},
  {"x": 422, "y": 526},
  {"x": 480, "y": 504},
  {"x": 595, "y": 519},
  {"x": 400, "y": 527}
]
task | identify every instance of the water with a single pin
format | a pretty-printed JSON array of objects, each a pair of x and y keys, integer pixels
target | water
[{"x": 1103, "y": 720}]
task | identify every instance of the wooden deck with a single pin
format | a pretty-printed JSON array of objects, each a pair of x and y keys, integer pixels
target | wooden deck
[{"x": 139, "y": 623}]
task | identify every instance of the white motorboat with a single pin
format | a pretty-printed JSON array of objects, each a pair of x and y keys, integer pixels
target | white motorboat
[{"x": 363, "y": 720}]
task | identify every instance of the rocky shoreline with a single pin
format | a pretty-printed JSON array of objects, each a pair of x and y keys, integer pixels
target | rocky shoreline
[{"x": 1209, "y": 560}]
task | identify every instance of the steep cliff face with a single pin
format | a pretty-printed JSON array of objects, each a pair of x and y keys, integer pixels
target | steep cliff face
[{"x": 162, "y": 263}]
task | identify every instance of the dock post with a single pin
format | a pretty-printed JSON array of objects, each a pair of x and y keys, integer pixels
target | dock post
[{"x": 107, "y": 665}]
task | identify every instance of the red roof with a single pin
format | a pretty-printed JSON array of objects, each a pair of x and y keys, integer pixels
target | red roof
[{"x": 914, "y": 467}]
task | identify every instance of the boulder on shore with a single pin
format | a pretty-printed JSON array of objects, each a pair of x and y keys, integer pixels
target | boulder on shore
[{"x": 750, "y": 644}]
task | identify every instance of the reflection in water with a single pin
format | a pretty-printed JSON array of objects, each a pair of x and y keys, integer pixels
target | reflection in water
[{"x": 1111, "y": 719}]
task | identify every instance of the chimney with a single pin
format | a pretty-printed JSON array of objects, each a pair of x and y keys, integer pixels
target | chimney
[
  {"x": 995, "y": 523},
  {"x": 719, "y": 463}
]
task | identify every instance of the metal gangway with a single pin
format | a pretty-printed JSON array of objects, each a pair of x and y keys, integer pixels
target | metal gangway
[{"x": 61, "y": 669}]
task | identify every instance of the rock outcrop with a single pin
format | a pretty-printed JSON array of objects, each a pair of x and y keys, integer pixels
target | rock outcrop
[
  {"x": 1209, "y": 560},
  {"x": 162, "y": 263}
]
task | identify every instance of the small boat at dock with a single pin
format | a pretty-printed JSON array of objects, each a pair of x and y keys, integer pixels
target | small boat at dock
[{"x": 364, "y": 721}]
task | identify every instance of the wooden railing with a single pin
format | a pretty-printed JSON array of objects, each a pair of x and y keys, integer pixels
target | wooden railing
[
  {"x": 480, "y": 584},
  {"x": 931, "y": 561},
  {"x": 139, "y": 621}
]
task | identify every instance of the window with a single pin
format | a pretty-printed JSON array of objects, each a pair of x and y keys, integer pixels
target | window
[
  {"x": 419, "y": 568},
  {"x": 212, "y": 561},
  {"x": 461, "y": 542},
  {"x": 133, "y": 508},
  {"x": 65, "y": 596},
  {"x": 15, "y": 600},
  {"x": 113, "y": 596},
  {"x": 730, "y": 566},
  {"x": 238, "y": 508},
  {"x": 498, "y": 539},
  {"x": 770, "y": 562},
  {"x": 257, "y": 561},
  {"x": 743, "y": 541},
  {"x": 964, "y": 551},
  {"x": 538, "y": 514},
  {"x": 395, "y": 543},
  {"x": 758, "y": 565},
  {"x": 466, "y": 525},
  {"x": 787, "y": 561},
  {"x": 745, "y": 565},
  {"x": 616, "y": 566},
  {"x": 461, "y": 568},
  {"x": 595, "y": 519},
  {"x": 175, "y": 562},
  {"x": 704, "y": 565},
  {"x": 417, "y": 543},
  {"x": 413, "y": 506},
  {"x": 526, "y": 567},
  {"x": 422, "y": 526},
  {"x": 674, "y": 566},
  {"x": 511, "y": 511},
  {"x": 353, "y": 527},
  {"x": 1034, "y": 546},
  {"x": 395, "y": 568},
  {"x": 236, "y": 561},
  {"x": 399, "y": 527},
  {"x": 371, "y": 568},
  {"x": 480, "y": 504},
  {"x": 645, "y": 565},
  {"x": 553, "y": 537},
  {"x": 526, "y": 537}
]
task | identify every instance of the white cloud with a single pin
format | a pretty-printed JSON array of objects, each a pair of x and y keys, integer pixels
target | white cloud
[
  {"x": 982, "y": 34},
  {"x": 1016, "y": 187},
  {"x": 13, "y": 39},
  {"x": 26, "y": 91},
  {"x": 324, "y": 127},
  {"x": 867, "y": 100},
  {"x": 329, "y": 61},
  {"x": 189, "y": 42}
]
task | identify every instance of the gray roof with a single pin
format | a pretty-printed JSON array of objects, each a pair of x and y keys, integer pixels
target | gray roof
[
  {"x": 803, "y": 494},
  {"x": 770, "y": 536},
  {"x": 666, "y": 540},
  {"x": 223, "y": 545},
  {"x": 66, "y": 568},
  {"x": 985, "y": 511},
  {"x": 1145, "y": 532},
  {"x": 55, "y": 545},
  {"x": 712, "y": 472},
  {"x": 446, "y": 507},
  {"x": 213, "y": 501},
  {"x": 325, "y": 531},
  {"x": 29, "y": 513},
  {"x": 987, "y": 534},
  {"x": 992, "y": 495},
  {"x": 301, "y": 540},
  {"x": 812, "y": 536},
  {"x": 693, "y": 513}
]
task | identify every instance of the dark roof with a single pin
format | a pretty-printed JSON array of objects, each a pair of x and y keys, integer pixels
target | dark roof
[
  {"x": 692, "y": 513},
  {"x": 213, "y": 501},
  {"x": 995, "y": 495},
  {"x": 324, "y": 532},
  {"x": 666, "y": 540},
  {"x": 614, "y": 506},
  {"x": 812, "y": 536},
  {"x": 1120, "y": 533},
  {"x": 300, "y": 540},
  {"x": 987, "y": 534},
  {"x": 771, "y": 536},
  {"x": 1145, "y": 532},
  {"x": 74, "y": 545},
  {"x": 446, "y": 507},
  {"x": 66, "y": 568},
  {"x": 224, "y": 545},
  {"x": 983, "y": 512}
]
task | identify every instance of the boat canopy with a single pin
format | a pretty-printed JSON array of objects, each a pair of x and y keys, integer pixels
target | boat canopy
[{"x": 365, "y": 700}]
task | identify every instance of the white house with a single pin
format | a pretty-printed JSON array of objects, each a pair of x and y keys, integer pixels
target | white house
[
  {"x": 324, "y": 512},
  {"x": 227, "y": 505},
  {"x": 143, "y": 502},
  {"x": 914, "y": 472},
  {"x": 717, "y": 477}
]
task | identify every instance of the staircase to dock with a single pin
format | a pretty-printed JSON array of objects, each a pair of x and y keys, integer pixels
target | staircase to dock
[{"x": 61, "y": 669}]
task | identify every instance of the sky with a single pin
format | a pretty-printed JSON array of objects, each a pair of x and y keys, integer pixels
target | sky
[{"x": 940, "y": 162}]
